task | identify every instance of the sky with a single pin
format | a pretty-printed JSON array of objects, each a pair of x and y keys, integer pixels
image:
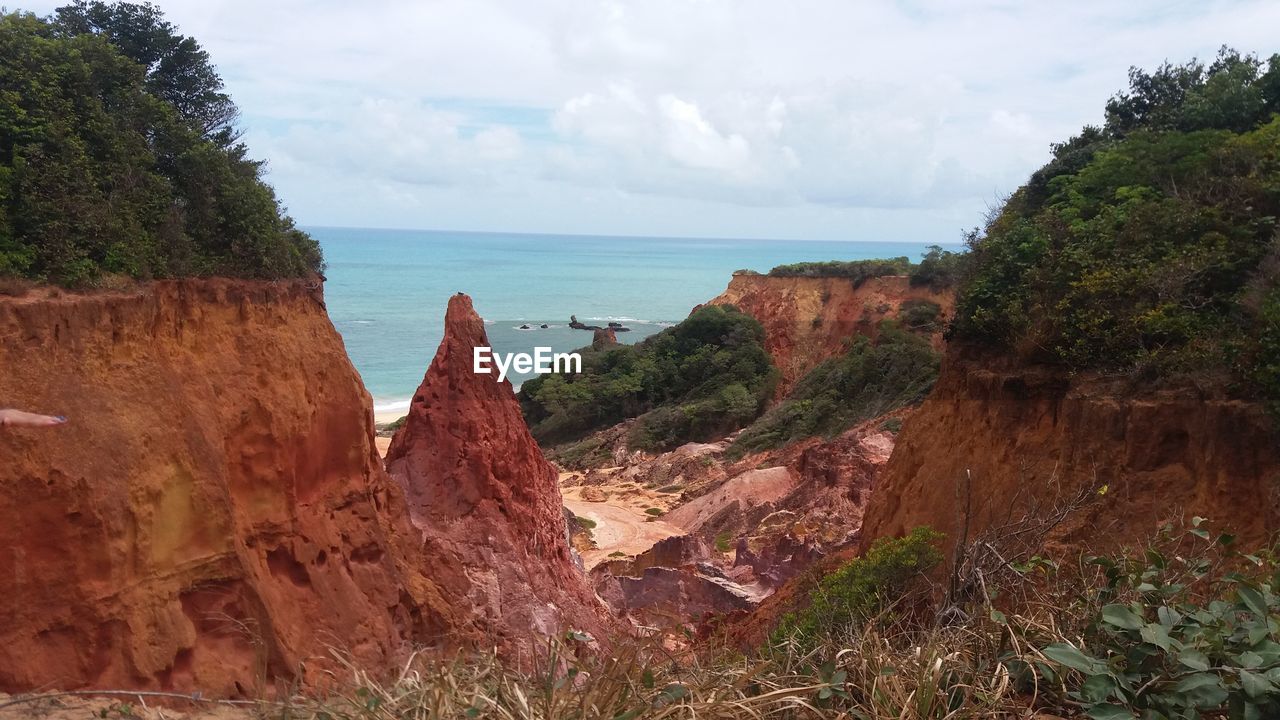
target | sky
[{"x": 804, "y": 119}]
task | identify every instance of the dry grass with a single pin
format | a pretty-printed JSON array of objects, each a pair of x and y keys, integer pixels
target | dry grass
[{"x": 942, "y": 672}]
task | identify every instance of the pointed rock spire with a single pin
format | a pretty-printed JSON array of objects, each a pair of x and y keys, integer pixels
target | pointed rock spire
[{"x": 481, "y": 492}]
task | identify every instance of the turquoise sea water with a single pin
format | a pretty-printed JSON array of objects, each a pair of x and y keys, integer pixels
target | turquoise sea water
[{"x": 387, "y": 289}]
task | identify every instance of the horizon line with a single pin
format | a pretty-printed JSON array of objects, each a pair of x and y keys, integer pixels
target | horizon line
[{"x": 621, "y": 236}]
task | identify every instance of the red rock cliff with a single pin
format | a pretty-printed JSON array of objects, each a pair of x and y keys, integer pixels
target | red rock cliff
[
  {"x": 486, "y": 501},
  {"x": 213, "y": 515},
  {"x": 807, "y": 320},
  {"x": 1027, "y": 435}
]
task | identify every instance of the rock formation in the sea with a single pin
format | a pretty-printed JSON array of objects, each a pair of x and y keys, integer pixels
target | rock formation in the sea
[
  {"x": 485, "y": 500},
  {"x": 213, "y": 516},
  {"x": 808, "y": 319},
  {"x": 1017, "y": 443},
  {"x": 612, "y": 327}
]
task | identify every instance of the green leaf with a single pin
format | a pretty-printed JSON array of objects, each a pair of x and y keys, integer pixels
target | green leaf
[
  {"x": 1249, "y": 659},
  {"x": 1072, "y": 657},
  {"x": 998, "y": 617},
  {"x": 1194, "y": 659},
  {"x": 1197, "y": 681},
  {"x": 675, "y": 691},
  {"x": 1203, "y": 690},
  {"x": 1110, "y": 712},
  {"x": 1155, "y": 634},
  {"x": 1122, "y": 617},
  {"x": 1253, "y": 600},
  {"x": 1255, "y": 686},
  {"x": 1097, "y": 688}
]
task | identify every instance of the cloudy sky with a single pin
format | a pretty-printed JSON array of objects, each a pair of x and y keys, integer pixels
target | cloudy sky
[{"x": 731, "y": 118}]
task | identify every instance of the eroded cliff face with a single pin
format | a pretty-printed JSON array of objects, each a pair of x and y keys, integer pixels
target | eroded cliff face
[
  {"x": 807, "y": 320},
  {"x": 1015, "y": 442},
  {"x": 487, "y": 503},
  {"x": 213, "y": 516}
]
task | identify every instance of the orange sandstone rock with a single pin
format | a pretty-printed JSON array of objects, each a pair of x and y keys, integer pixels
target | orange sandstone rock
[
  {"x": 1002, "y": 439},
  {"x": 807, "y": 320},
  {"x": 213, "y": 517},
  {"x": 485, "y": 499}
]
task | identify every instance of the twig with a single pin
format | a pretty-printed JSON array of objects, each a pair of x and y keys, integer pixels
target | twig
[{"x": 194, "y": 697}]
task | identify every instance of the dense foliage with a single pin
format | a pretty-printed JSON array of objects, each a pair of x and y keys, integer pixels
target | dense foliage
[
  {"x": 1174, "y": 632},
  {"x": 118, "y": 156},
  {"x": 862, "y": 588},
  {"x": 700, "y": 379},
  {"x": 870, "y": 379},
  {"x": 859, "y": 271},
  {"x": 1148, "y": 245}
]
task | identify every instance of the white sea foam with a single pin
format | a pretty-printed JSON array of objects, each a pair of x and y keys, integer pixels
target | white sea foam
[{"x": 386, "y": 406}]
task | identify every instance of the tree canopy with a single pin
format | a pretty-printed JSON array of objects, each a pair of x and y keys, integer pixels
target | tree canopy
[
  {"x": 703, "y": 378},
  {"x": 1147, "y": 246},
  {"x": 118, "y": 156}
]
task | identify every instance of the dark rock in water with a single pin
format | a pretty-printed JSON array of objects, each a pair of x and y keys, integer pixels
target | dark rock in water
[
  {"x": 615, "y": 327},
  {"x": 544, "y": 326},
  {"x": 573, "y": 323},
  {"x": 526, "y": 327}
]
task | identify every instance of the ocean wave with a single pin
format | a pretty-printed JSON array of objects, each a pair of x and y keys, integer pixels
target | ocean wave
[
  {"x": 619, "y": 318},
  {"x": 387, "y": 406}
]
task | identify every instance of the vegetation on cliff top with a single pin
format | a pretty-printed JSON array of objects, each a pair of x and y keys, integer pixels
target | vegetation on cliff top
[
  {"x": 937, "y": 268},
  {"x": 707, "y": 376},
  {"x": 1148, "y": 245},
  {"x": 870, "y": 379},
  {"x": 119, "y": 156}
]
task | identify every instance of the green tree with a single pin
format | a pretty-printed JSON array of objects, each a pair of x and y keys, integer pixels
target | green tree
[
  {"x": 101, "y": 174},
  {"x": 178, "y": 70},
  {"x": 1143, "y": 246},
  {"x": 700, "y": 379}
]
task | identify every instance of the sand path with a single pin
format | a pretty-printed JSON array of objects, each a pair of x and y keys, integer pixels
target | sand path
[{"x": 620, "y": 528}]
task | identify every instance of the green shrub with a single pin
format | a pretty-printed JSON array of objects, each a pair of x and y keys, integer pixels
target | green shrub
[
  {"x": 118, "y": 157},
  {"x": 859, "y": 271},
  {"x": 724, "y": 542},
  {"x": 1139, "y": 247},
  {"x": 920, "y": 316},
  {"x": 893, "y": 425},
  {"x": 393, "y": 426},
  {"x": 698, "y": 380},
  {"x": 870, "y": 379},
  {"x": 1176, "y": 635},
  {"x": 863, "y": 588},
  {"x": 590, "y": 452},
  {"x": 938, "y": 268},
  {"x": 656, "y": 512}
]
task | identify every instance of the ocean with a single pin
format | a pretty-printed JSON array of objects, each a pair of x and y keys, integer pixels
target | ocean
[{"x": 387, "y": 289}]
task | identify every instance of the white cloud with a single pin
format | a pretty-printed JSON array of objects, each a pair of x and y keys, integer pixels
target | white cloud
[{"x": 813, "y": 118}]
